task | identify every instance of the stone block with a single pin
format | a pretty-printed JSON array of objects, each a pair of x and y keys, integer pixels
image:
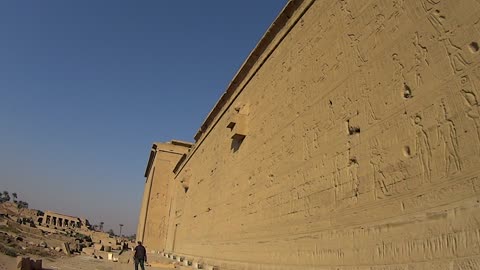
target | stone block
[
  {"x": 37, "y": 264},
  {"x": 23, "y": 263},
  {"x": 187, "y": 262},
  {"x": 101, "y": 254},
  {"x": 88, "y": 250},
  {"x": 197, "y": 265},
  {"x": 19, "y": 262},
  {"x": 98, "y": 246},
  {"x": 66, "y": 248}
]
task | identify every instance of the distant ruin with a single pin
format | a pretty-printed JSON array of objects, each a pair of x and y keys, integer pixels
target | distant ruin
[
  {"x": 59, "y": 221},
  {"x": 348, "y": 139}
]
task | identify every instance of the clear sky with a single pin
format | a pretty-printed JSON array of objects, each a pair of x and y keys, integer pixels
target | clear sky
[{"x": 87, "y": 86}]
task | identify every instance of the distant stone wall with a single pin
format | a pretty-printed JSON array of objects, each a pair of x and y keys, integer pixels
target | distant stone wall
[
  {"x": 59, "y": 221},
  {"x": 356, "y": 145}
]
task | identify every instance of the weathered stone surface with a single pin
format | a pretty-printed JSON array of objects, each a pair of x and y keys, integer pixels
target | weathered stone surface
[
  {"x": 19, "y": 262},
  {"x": 24, "y": 263},
  {"x": 152, "y": 229},
  {"x": 107, "y": 248},
  {"x": 88, "y": 250},
  {"x": 66, "y": 248},
  {"x": 36, "y": 264},
  {"x": 98, "y": 246},
  {"x": 361, "y": 152}
]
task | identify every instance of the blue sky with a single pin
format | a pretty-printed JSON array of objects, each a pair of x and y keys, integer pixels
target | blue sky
[{"x": 87, "y": 86}]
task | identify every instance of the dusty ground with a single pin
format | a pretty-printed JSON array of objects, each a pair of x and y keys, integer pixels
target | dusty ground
[
  {"x": 84, "y": 262},
  {"x": 24, "y": 241}
]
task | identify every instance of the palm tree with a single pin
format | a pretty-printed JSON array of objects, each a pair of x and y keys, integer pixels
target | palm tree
[
  {"x": 120, "y": 234},
  {"x": 101, "y": 225},
  {"x": 5, "y": 196},
  {"x": 14, "y": 194}
]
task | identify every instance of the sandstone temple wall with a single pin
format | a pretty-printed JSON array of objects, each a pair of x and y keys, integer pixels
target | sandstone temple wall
[
  {"x": 358, "y": 145},
  {"x": 153, "y": 220}
]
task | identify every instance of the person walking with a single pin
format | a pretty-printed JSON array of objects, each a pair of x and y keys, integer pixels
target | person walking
[{"x": 140, "y": 256}]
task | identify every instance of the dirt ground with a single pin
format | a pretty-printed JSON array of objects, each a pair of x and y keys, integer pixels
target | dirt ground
[
  {"x": 22, "y": 240},
  {"x": 84, "y": 262}
]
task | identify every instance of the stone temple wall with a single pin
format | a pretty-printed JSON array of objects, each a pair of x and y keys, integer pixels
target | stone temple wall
[
  {"x": 153, "y": 218},
  {"x": 361, "y": 150}
]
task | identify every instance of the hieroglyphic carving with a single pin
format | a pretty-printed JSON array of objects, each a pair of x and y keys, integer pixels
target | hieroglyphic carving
[
  {"x": 378, "y": 25},
  {"x": 470, "y": 96},
  {"x": 310, "y": 141},
  {"x": 398, "y": 78},
  {"x": 344, "y": 7},
  {"x": 433, "y": 14},
  {"x": 380, "y": 184},
  {"x": 323, "y": 72},
  {"x": 353, "y": 175},
  {"x": 447, "y": 136},
  {"x": 331, "y": 115},
  {"x": 367, "y": 95},
  {"x": 421, "y": 58},
  {"x": 360, "y": 57},
  {"x": 336, "y": 178},
  {"x": 454, "y": 53},
  {"x": 424, "y": 151},
  {"x": 398, "y": 10},
  {"x": 458, "y": 63}
]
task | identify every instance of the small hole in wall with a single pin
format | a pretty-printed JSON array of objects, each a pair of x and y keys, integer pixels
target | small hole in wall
[
  {"x": 236, "y": 143},
  {"x": 185, "y": 187},
  {"x": 231, "y": 125},
  {"x": 407, "y": 91},
  {"x": 352, "y": 129},
  {"x": 473, "y": 46},
  {"x": 406, "y": 151},
  {"x": 353, "y": 160}
]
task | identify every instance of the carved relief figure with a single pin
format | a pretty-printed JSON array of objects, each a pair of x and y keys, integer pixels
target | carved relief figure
[
  {"x": 344, "y": 7},
  {"x": 368, "y": 108},
  {"x": 360, "y": 57},
  {"x": 381, "y": 188},
  {"x": 424, "y": 151},
  {"x": 455, "y": 56},
  {"x": 378, "y": 25},
  {"x": 353, "y": 175},
  {"x": 398, "y": 10},
  {"x": 437, "y": 20},
  {"x": 447, "y": 136},
  {"x": 421, "y": 53},
  {"x": 470, "y": 96}
]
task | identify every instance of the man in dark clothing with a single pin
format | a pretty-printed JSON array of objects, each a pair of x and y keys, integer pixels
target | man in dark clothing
[{"x": 140, "y": 256}]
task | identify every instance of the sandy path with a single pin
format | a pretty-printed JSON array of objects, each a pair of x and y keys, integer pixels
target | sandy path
[{"x": 80, "y": 262}]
